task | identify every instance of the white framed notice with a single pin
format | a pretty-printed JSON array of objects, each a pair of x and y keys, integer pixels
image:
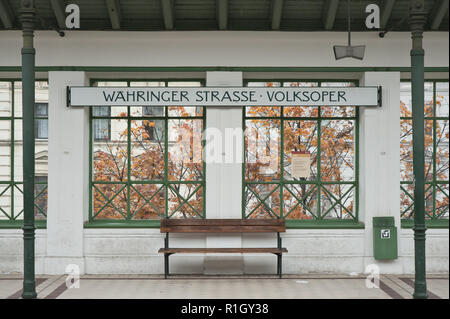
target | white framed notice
[{"x": 301, "y": 164}]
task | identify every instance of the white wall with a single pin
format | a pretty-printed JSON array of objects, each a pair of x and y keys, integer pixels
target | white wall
[{"x": 218, "y": 48}]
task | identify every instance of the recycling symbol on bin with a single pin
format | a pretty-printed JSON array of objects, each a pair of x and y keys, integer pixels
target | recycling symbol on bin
[{"x": 385, "y": 233}]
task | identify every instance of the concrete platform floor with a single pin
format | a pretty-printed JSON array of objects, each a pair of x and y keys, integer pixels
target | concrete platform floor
[{"x": 225, "y": 287}]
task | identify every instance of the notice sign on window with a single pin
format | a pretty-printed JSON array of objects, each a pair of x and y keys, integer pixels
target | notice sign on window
[{"x": 301, "y": 164}]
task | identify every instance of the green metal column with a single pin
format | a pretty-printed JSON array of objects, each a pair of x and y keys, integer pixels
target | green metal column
[
  {"x": 417, "y": 21},
  {"x": 27, "y": 16}
]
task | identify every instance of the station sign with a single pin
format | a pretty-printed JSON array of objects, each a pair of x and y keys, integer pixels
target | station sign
[{"x": 223, "y": 96}]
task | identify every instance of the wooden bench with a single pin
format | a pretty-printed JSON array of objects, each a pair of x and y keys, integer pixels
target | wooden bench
[{"x": 222, "y": 226}]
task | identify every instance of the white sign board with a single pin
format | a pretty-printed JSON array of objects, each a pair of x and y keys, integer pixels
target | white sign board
[{"x": 224, "y": 96}]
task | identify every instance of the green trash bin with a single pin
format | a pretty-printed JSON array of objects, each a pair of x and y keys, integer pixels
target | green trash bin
[{"x": 384, "y": 238}]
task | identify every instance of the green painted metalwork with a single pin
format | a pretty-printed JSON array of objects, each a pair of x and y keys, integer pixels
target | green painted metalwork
[
  {"x": 13, "y": 184},
  {"x": 435, "y": 184},
  {"x": 166, "y": 184},
  {"x": 27, "y": 15},
  {"x": 319, "y": 217},
  {"x": 417, "y": 17},
  {"x": 219, "y": 68}
]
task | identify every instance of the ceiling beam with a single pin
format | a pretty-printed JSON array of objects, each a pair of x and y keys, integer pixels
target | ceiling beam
[
  {"x": 438, "y": 13},
  {"x": 329, "y": 14},
  {"x": 168, "y": 13},
  {"x": 115, "y": 15},
  {"x": 6, "y": 15},
  {"x": 277, "y": 13},
  {"x": 386, "y": 11},
  {"x": 222, "y": 14},
  {"x": 59, "y": 11}
]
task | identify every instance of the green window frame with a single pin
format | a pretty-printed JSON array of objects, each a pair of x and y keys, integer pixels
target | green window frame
[
  {"x": 304, "y": 192},
  {"x": 436, "y": 155},
  {"x": 132, "y": 201},
  {"x": 11, "y": 185}
]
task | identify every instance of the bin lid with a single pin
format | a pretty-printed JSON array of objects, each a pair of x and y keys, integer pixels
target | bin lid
[{"x": 383, "y": 221}]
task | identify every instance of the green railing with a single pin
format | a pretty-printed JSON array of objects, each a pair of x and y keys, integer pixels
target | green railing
[
  {"x": 11, "y": 192},
  {"x": 436, "y": 110}
]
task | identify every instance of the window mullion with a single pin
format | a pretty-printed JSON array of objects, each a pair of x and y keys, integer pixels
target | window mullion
[
  {"x": 12, "y": 153},
  {"x": 166, "y": 157}
]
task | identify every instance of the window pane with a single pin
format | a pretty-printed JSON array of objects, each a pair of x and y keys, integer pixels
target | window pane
[
  {"x": 300, "y": 136},
  {"x": 157, "y": 111},
  {"x": 147, "y": 150},
  {"x": 428, "y": 150},
  {"x": 185, "y": 201},
  {"x": 442, "y": 107},
  {"x": 406, "y": 155},
  {"x": 5, "y": 150},
  {"x": 111, "y": 157},
  {"x": 185, "y": 150},
  {"x": 442, "y": 150},
  {"x": 429, "y": 99},
  {"x": 406, "y": 99},
  {"x": 263, "y": 150},
  {"x": 18, "y": 151},
  {"x": 41, "y": 197},
  {"x": 41, "y": 95},
  {"x": 337, "y": 201},
  {"x": 147, "y": 201},
  {"x": 110, "y": 201},
  {"x": 101, "y": 111},
  {"x": 262, "y": 201},
  {"x": 5, "y": 201},
  {"x": 300, "y": 201},
  {"x": 102, "y": 130},
  {"x": 337, "y": 150},
  {"x": 407, "y": 201},
  {"x": 442, "y": 201},
  {"x": 5, "y": 99}
]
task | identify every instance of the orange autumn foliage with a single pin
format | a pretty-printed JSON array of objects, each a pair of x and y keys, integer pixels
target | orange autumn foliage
[{"x": 145, "y": 193}]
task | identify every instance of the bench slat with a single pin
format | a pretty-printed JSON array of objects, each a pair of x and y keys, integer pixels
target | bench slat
[
  {"x": 221, "y": 250},
  {"x": 222, "y": 229},
  {"x": 224, "y": 222},
  {"x": 222, "y": 225}
]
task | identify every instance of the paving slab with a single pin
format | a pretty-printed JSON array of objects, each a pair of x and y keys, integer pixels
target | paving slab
[{"x": 224, "y": 287}]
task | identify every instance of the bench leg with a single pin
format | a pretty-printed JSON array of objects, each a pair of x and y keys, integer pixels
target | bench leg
[
  {"x": 279, "y": 265},
  {"x": 166, "y": 265}
]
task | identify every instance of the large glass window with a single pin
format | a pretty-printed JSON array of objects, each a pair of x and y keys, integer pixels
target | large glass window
[
  {"x": 301, "y": 162},
  {"x": 436, "y": 110},
  {"x": 11, "y": 151},
  {"x": 149, "y": 164}
]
